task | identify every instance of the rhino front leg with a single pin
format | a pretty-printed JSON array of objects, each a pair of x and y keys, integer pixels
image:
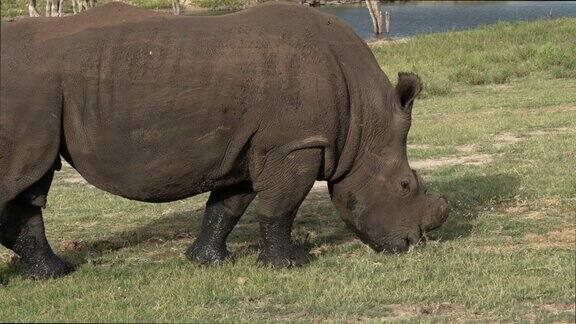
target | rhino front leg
[
  {"x": 223, "y": 210},
  {"x": 22, "y": 231},
  {"x": 287, "y": 181}
]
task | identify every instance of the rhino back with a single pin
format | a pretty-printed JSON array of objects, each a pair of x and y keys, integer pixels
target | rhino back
[
  {"x": 162, "y": 108},
  {"x": 30, "y": 109},
  {"x": 158, "y": 108}
]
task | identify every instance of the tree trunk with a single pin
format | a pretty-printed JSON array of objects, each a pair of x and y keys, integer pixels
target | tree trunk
[
  {"x": 376, "y": 15},
  {"x": 387, "y": 21},
  {"x": 176, "y": 7}
]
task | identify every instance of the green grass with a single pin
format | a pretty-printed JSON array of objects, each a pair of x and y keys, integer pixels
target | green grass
[
  {"x": 507, "y": 251},
  {"x": 493, "y": 54}
]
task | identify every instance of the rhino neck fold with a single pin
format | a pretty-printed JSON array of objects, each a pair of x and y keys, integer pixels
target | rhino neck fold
[{"x": 370, "y": 111}]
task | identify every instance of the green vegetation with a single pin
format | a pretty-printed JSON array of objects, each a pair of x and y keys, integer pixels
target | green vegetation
[
  {"x": 14, "y": 8},
  {"x": 493, "y": 54},
  {"x": 501, "y": 149}
]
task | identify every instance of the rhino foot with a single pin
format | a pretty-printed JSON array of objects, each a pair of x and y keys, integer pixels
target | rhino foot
[
  {"x": 292, "y": 256},
  {"x": 22, "y": 231},
  {"x": 206, "y": 254},
  {"x": 44, "y": 266}
]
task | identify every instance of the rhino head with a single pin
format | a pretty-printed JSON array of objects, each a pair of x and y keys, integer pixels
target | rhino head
[{"x": 382, "y": 199}]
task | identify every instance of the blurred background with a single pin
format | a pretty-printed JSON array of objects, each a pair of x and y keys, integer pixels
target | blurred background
[{"x": 406, "y": 18}]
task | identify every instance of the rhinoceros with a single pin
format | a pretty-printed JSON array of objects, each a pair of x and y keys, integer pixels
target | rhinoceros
[{"x": 156, "y": 108}]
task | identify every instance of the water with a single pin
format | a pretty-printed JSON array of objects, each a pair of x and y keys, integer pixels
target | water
[{"x": 408, "y": 19}]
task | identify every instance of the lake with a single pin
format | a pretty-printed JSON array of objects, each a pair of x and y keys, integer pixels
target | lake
[{"x": 413, "y": 18}]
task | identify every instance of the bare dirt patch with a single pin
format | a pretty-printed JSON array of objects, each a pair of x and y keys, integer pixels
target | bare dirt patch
[
  {"x": 558, "y": 308},
  {"x": 75, "y": 178},
  {"x": 321, "y": 186},
  {"x": 319, "y": 250},
  {"x": 469, "y": 148},
  {"x": 70, "y": 175},
  {"x": 553, "y": 239},
  {"x": 516, "y": 209},
  {"x": 522, "y": 209},
  {"x": 512, "y": 138},
  {"x": 507, "y": 138},
  {"x": 441, "y": 309},
  {"x": 419, "y": 146},
  {"x": 380, "y": 42},
  {"x": 534, "y": 215},
  {"x": 559, "y": 130},
  {"x": 557, "y": 239},
  {"x": 72, "y": 246},
  {"x": 474, "y": 159},
  {"x": 502, "y": 139},
  {"x": 402, "y": 311}
]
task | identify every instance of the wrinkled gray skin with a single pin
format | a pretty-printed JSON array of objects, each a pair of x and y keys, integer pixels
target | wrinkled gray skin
[
  {"x": 154, "y": 107},
  {"x": 382, "y": 199}
]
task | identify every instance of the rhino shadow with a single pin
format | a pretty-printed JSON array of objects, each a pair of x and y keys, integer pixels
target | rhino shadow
[
  {"x": 468, "y": 196},
  {"x": 185, "y": 226},
  {"x": 181, "y": 226},
  {"x": 310, "y": 229},
  {"x": 317, "y": 222}
]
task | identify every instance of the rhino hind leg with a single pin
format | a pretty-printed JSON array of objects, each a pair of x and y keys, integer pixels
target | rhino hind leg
[
  {"x": 223, "y": 210},
  {"x": 22, "y": 231},
  {"x": 287, "y": 181}
]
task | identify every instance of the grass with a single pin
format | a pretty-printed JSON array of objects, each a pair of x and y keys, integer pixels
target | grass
[
  {"x": 494, "y": 54},
  {"x": 507, "y": 251}
]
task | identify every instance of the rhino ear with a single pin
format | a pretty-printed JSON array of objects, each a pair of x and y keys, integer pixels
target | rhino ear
[{"x": 407, "y": 88}]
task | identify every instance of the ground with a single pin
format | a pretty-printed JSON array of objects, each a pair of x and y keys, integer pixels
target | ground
[{"x": 500, "y": 147}]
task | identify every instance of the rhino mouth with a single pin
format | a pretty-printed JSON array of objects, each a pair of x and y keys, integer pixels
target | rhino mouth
[
  {"x": 396, "y": 245},
  {"x": 399, "y": 245}
]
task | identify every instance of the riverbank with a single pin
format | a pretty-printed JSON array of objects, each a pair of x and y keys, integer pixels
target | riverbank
[{"x": 494, "y": 54}]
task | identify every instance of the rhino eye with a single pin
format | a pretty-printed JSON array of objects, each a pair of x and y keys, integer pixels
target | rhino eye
[{"x": 405, "y": 184}]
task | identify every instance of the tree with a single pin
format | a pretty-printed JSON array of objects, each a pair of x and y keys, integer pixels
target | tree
[{"x": 376, "y": 15}]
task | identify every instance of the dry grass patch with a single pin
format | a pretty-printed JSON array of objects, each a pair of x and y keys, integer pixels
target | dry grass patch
[
  {"x": 473, "y": 159},
  {"x": 506, "y": 139},
  {"x": 400, "y": 312},
  {"x": 555, "y": 239},
  {"x": 75, "y": 178},
  {"x": 419, "y": 146},
  {"x": 565, "y": 238},
  {"x": 558, "y": 308}
]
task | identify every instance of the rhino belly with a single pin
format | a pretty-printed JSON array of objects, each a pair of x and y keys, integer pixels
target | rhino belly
[{"x": 149, "y": 144}]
